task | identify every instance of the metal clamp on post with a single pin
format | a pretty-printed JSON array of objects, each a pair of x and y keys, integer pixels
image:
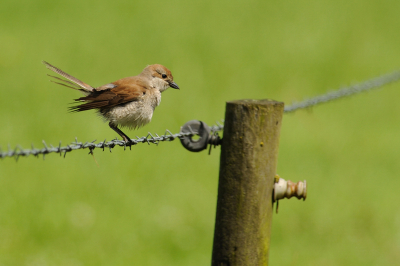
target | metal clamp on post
[{"x": 201, "y": 129}]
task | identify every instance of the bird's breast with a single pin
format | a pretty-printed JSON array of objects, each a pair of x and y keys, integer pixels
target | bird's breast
[{"x": 137, "y": 113}]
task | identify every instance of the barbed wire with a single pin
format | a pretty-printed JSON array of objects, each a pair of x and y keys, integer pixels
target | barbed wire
[
  {"x": 150, "y": 138},
  {"x": 370, "y": 84},
  {"x": 18, "y": 151}
]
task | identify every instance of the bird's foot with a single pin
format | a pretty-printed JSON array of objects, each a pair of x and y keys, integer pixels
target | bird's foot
[{"x": 127, "y": 140}]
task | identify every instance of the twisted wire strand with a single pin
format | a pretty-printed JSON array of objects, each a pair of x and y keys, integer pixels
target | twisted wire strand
[
  {"x": 373, "y": 83},
  {"x": 367, "y": 85},
  {"x": 18, "y": 151}
]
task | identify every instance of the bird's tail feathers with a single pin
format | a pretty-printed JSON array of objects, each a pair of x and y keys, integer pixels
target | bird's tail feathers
[
  {"x": 66, "y": 83},
  {"x": 71, "y": 81}
]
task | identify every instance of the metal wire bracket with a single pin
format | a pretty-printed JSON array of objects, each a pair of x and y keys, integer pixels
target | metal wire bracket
[{"x": 206, "y": 135}]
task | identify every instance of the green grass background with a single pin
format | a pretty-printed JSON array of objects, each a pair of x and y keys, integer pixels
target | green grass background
[{"x": 155, "y": 205}]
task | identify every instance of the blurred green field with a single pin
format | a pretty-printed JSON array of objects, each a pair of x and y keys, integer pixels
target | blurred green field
[{"x": 155, "y": 205}]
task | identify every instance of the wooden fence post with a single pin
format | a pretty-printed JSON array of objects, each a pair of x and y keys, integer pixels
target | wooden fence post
[{"x": 246, "y": 178}]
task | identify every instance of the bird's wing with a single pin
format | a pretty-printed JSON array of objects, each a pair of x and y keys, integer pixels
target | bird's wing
[
  {"x": 123, "y": 92},
  {"x": 108, "y": 86},
  {"x": 71, "y": 81}
]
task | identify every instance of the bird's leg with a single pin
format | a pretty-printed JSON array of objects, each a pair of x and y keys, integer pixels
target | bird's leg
[{"x": 119, "y": 131}]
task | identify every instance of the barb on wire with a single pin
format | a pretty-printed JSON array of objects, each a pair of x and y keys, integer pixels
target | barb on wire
[
  {"x": 346, "y": 91},
  {"x": 76, "y": 145}
]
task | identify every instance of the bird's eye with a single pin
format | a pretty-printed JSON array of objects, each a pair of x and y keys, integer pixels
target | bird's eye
[{"x": 164, "y": 76}]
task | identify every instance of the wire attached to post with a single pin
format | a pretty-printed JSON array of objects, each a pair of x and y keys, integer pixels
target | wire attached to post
[{"x": 207, "y": 136}]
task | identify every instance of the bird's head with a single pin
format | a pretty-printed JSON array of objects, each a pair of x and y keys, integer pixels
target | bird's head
[{"x": 161, "y": 77}]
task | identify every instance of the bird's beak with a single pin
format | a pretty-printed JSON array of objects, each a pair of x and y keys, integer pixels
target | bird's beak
[{"x": 174, "y": 85}]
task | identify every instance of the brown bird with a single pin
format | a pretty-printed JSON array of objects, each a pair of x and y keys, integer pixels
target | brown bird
[{"x": 127, "y": 102}]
